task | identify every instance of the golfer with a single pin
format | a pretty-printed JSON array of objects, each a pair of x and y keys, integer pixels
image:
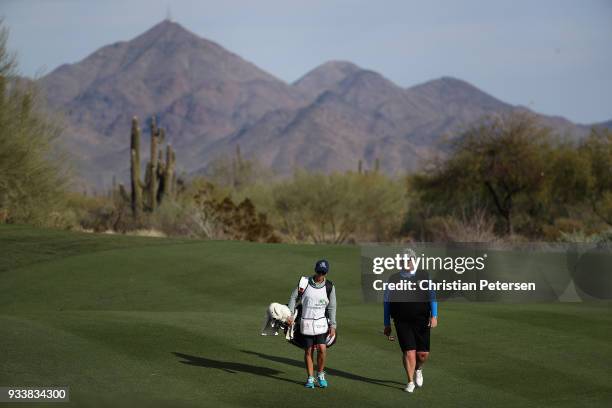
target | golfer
[
  {"x": 317, "y": 295},
  {"x": 414, "y": 313}
]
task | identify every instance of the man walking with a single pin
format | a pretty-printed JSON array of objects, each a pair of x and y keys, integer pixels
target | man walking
[
  {"x": 317, "y": 297},
  {"x": 414, "y": 313}
]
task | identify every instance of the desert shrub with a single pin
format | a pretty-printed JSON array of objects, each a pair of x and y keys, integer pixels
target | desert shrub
[
  {"x": 597, "y": 151},
  {"x": 476, "y": 227},
  {"x": 63, "y": 218},
  {"x": 220, "y": 218},
  {"x": 101, "y": 213},
  {"x": 236, "y": 172},
  {"x": 337, "y": 208},
  {"x": 601, "y": 238},
  {"x": 175, "y": 218},
  {"x": 561, "y": 227}
]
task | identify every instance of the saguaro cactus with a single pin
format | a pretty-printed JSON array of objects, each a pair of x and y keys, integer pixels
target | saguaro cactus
[
  {"x": 172, "y": 175},
  {"x": 135, "y": 168},
  {"x": 152, "y": 187},
  {"x": 160, "y": 176},
  {"x": 169, "y": 178}
]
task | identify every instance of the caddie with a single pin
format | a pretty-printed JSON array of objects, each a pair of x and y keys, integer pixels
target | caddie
[{"x": 317, "y": 320}]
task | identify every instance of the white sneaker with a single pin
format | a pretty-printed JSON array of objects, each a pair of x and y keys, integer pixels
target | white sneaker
[
  {"x": 409, "y": 387},
  {"x": 419, "y": 378}
]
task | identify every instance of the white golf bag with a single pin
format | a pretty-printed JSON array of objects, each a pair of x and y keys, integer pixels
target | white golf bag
[
  {"x": 277, "y": 315},
  {"x": 276, "y": 320}
]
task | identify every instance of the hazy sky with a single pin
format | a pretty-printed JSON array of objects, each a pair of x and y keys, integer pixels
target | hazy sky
[{"x": 553, "y": 56}]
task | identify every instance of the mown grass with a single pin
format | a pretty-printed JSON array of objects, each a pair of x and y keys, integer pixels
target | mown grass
[{"x": 130, "y": 321}]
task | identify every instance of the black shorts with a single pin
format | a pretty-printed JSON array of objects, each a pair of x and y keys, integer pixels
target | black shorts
[
  {"x": 412, "y": 335},
  {"x": 310, "y": 341}
]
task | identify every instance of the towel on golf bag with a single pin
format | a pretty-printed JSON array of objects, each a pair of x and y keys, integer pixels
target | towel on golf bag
[{"x": 276, "y": 320}]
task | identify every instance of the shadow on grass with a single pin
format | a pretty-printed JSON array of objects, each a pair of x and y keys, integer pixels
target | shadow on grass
[
  {"x": 330, "y": 371},
  {"x": 232, "y": 367}
]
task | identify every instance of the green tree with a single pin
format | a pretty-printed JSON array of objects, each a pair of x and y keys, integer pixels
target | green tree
[
  {"x": 32, "y": 178},
  {"x": 500, "y": 161}
]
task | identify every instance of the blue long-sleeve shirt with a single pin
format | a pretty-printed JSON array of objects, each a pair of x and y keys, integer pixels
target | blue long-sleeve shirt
[{"x": 387, "y": 304}]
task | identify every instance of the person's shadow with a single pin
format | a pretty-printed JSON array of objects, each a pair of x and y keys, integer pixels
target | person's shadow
[
  {"x": 330, "y": 371},
  {"x": 232, "y": 367}
]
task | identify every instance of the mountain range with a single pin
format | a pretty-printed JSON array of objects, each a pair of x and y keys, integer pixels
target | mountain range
[{"x": 211, "y": 100}]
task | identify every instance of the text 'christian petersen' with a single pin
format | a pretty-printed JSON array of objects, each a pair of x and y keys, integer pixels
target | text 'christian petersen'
[{"x": 456, "y": 285}]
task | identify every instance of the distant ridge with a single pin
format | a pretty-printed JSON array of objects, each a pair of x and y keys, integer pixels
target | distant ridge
[{"x": 210, "y": 99}]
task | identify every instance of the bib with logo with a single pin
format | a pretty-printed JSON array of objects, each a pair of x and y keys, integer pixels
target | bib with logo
[{"x": 314, "y": 304}]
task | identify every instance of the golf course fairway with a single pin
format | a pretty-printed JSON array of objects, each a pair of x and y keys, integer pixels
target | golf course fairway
[{"x": 131, "y": 321}]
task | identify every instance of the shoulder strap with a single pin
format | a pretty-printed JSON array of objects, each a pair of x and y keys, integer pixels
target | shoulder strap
[
  {"x": 302, "y": 285},
  {"x": 329, "y": 285}
]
